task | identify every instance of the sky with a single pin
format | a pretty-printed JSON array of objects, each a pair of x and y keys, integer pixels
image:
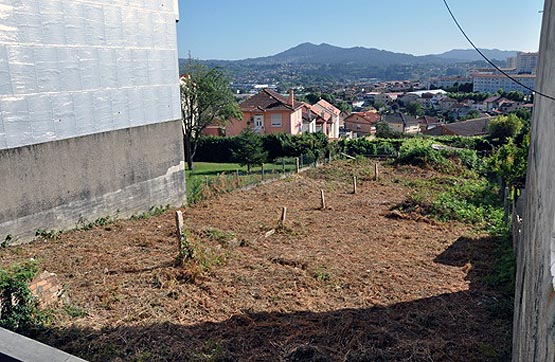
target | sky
[{"x": 239, "y": 29}]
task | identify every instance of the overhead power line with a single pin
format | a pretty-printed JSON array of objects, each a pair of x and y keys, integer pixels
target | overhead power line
[{"x": 489, "y": 61}]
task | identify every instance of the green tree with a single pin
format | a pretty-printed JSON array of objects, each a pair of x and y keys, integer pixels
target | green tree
[
  {"x": 248, "y": 149},
  {"x": 415, "y": 109},
  {"x": 383, "y": 130},
  {"x": 206, "y": 98},
  {"x": 505, "y": 127},
  {"x": 510, "y": 162}
]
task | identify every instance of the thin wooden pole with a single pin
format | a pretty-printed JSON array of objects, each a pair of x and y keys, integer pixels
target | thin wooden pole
[
  {"x": 283, "y": 164},
  {"x": 354, "y": 184},
  {"x": 297, "y": 166},
  {"x": 179, "y": 230},
  {"x": 323, "y": 199},
  {"x": 283, "y": 216},
  {"x": 376, "y": 172},
  {"x": 262, "y": 172},
  {"x": 237, "y": 178}
]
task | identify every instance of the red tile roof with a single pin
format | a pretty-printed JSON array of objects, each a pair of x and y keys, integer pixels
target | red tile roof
[
  {"x": 330, "y": 107},
  {"x": 369, "y": 117},
  {"x": 268, "y": 100}
]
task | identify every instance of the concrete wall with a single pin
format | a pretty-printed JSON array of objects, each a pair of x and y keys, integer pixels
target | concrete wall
[
  {"x": 53, "y": 185},
  {"x": 534, "y": 323}
]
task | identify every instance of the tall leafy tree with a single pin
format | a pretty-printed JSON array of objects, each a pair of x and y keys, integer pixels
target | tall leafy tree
[{"x": 206, "y": 98}]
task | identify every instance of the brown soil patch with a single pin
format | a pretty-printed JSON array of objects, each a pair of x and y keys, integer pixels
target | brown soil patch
[{"x": 346, "y": 283}]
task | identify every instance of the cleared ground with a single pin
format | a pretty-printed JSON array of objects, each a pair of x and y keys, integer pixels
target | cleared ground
[{"x": 347, "y": 283}]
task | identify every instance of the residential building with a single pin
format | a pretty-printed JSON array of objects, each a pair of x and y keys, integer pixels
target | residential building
[
  {"x": 526, "y": 63},
  {"x": 362, "y": 123},
  {"x": 90, "y": 112},
  {"x": 269, "y": 112},
  {"x": 401, "y": 122},
  {"x": 472, "y": 127},
  {"x": 491, "y": 83},
  {"x": 448, "y": 82},
  {"x": 331, "y": 114}
]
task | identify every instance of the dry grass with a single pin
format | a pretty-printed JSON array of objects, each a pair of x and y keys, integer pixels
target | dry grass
[{"x": 346, "y": 283}]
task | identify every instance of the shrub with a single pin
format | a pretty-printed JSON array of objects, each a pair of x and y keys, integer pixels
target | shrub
[{"x": 18, "y": 307}]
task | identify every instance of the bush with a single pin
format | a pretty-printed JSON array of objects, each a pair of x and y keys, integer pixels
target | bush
[
  {"x": 18, "y": 308},
  {"x": 219, "y": 149}
]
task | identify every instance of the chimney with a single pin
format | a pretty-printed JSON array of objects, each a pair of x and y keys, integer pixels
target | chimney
[{"x": 291, "y": 99}]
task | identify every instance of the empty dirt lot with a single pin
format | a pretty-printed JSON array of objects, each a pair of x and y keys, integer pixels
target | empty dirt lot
[{"x": 348, "y": 283}]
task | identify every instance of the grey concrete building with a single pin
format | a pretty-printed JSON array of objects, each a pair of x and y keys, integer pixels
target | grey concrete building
[
  {"x": 534, "y": 321},
  {"x": 89, "y": 112}
]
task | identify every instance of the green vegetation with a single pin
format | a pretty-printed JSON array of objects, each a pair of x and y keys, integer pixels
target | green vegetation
[
  {"x": 206, "y": 98},
  {"x": 248, "y": 150},
  {"x": 152, "y": 212},
  {"x": 18, "y": 309}
]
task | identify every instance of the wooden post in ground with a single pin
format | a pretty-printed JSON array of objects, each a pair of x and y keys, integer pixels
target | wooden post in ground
[
  {"x": 323, "y": 199},
  {"x": 179, "y": 231},
  {"x": 302, "y": 161},
  {"x": 297, "y": 166},
  {"x": 237, "y": 178},
  {"x": 262, "y": 171},
  {"x": 506, "y": 205},
  {"x": 376, "y": 172},
  {"x": 283, "y": 216},
  {"x": 283, "y": 164},
  {"x": 354, "y": 185}
]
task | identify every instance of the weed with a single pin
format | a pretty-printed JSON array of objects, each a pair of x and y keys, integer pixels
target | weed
[
  {"x": 152, "y": 212},
  {"x": 322, "y": 275},
  {"x": 222, "y": 237},
  {"x": 84, "y": 224},
  {"x": 49, "y": 235},
  {"x": 74, "y": 311},
  {"x": 6, "y": 241},
  {"x": 18, "y": 310}
]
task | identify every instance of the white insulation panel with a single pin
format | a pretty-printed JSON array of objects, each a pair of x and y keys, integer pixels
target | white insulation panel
[{"x": 70, "y": 68}]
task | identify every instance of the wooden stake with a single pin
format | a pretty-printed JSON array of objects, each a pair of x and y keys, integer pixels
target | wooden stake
[
  {"x": 237, "y": 178},
  {"x": 283, "y": 164},
  {"x": 376, "y": 172},
  {"x": 323, "y": 199},
  {"x": 354, "y": 185},
  {"x": 283, "y": 216},
  {"x": 297, "y": 165},
  {"x": 262, "y": 172},
  {"x": 179, "y": 226}
]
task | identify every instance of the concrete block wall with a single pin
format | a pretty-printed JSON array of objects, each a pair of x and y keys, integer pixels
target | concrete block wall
[
  {"x": 534, "y": 319},
  {"x": 56, "y": 185},
  {"x": 89, "y": 112}
]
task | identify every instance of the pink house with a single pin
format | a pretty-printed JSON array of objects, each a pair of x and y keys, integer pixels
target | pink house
[
  {"x": 332, "y": 116},
  {"x": 269, "y": 112}
]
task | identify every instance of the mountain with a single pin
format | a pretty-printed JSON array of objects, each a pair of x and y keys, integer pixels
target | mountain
[
  {"x": 471, "y": 55},
  {"x": 309, "y": 63}
]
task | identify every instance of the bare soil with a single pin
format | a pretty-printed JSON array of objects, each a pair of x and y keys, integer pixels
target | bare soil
[{"x": 348, "y": 283}]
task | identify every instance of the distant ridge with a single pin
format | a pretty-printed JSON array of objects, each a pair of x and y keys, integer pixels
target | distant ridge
[
  {"x": 309, "y": 53},
  {"x": 309, "y": 63}
]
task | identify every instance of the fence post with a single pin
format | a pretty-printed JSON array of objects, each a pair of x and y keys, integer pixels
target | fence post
[
  {"x": 262, "y": 171},
  {"x": 297, "y": 167},
  {"x": 506, "y": 205},
  {"x": 376, "y": 172},
  {"x": 179, "y": 231},
  {"x": 283, "y": 165},
  {"x": 237, "y": 178},
  {"x": 302, "y": 161},
  {"x": 354, "y": 184},
  {"x": 283, "y": 216},
  {"x": 323, "y": 199}
]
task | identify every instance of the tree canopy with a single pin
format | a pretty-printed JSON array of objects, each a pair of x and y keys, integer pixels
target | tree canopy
[{"x": 206, "y": 98}]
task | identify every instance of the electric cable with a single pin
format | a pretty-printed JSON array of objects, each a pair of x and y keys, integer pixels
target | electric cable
[{"x": 489, "y": 61}]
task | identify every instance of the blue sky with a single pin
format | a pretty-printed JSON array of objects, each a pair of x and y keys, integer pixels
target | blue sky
[{"x": 238, "y": 29}]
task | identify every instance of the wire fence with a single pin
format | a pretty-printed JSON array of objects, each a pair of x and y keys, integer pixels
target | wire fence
[{"x": 202, "y": 187}]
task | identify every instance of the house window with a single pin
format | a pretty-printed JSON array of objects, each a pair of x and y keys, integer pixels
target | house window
[
  {"x": 276, "y": 120},
  {"x": 258, "y": 121}
]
